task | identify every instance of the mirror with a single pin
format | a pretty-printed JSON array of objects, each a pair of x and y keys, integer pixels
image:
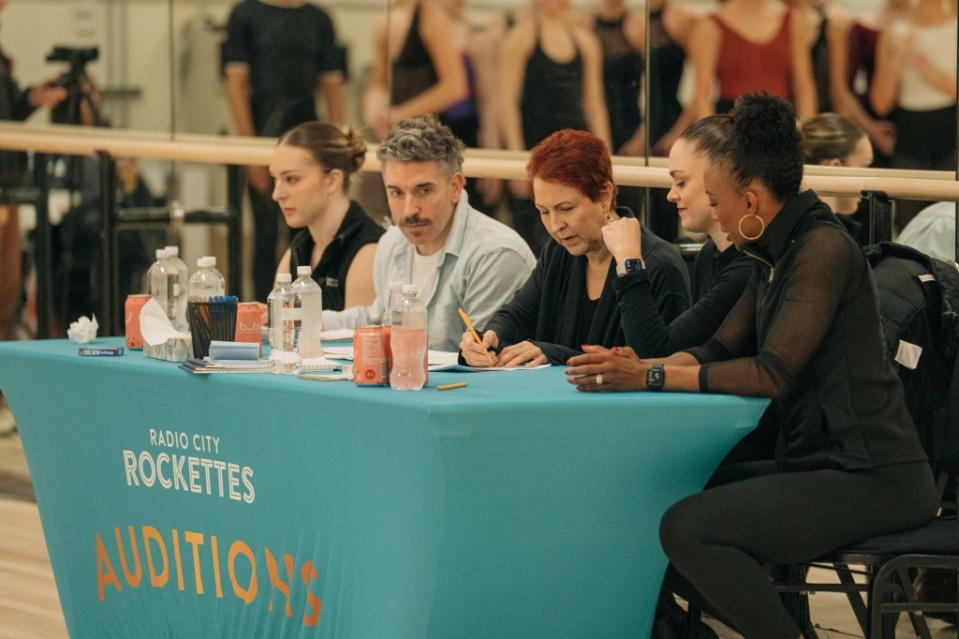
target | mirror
[
  {"x": 104, "y": 53},
  {"x": 94, "y": 63},
  {"x": 887, "y": 65},
  {"x": 522, "y": 70},
  {"x": 260, "y": 67}
]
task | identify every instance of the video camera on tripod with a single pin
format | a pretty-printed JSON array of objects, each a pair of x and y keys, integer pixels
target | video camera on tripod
[{"x": 75, "y": 82}]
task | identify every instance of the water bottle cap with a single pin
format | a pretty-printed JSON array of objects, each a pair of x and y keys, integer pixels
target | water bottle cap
[
  {"x": 284, "y": 278},
  {"x": 304, "y": 270},
  {"x": 409, "y": 289},
  {"x": 173, "y": 251},
  {"x": 161, "y": 254},
  {"x": 207, "y": 261}
]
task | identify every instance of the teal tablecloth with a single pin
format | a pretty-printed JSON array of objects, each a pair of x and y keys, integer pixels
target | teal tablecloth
[{"x": 514, "y": 507}]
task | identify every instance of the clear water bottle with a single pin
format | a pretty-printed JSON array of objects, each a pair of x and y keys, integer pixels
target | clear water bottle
[
  {"x": 408, "y": 341},
  {"x": 207, "y": 281},
  {"x": 160, "y": 278},
  {"x": 282, "y": 346},
  {"x": 308, "y": 311},
  {"x": 179, "y": 287},
  {"x": 394, "y": 296}
]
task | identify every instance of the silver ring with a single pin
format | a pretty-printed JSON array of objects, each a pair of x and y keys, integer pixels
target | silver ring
[{"x": 599, "y": 379}]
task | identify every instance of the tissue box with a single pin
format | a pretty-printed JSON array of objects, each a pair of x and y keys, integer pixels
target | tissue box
[{"x": 175, "y": 349}]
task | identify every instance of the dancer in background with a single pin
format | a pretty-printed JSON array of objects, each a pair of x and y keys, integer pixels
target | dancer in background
[
  {"x": 749, "y": 46},
  {"x": 915, "y": 82},
  {"x": 551, "y": 78},
  {"x": 274, "y": 55}
]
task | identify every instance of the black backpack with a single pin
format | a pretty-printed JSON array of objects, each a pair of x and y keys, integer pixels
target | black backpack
[{"x": 918, "y": 303}]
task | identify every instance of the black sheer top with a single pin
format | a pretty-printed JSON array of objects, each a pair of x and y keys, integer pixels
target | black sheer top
[
  {"x": 356, "y": 231},
  {"x": 718, "y": 282},
  {"x": 806, "y": 333},
  {"x": 549, "y": 308}
]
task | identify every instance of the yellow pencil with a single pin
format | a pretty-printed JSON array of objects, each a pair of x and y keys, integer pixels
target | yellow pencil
[
  {"x": 451, "y": 386},
  {"x": 469, "y": 326}
]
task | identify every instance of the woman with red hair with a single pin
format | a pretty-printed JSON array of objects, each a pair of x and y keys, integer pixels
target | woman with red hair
[{"x": 569, "y": 299}]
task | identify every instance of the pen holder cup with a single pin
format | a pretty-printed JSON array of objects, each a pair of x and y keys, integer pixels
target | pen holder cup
[{"x": 214, "y": 319}]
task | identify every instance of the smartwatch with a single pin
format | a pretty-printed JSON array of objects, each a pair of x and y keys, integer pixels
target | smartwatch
[
  {"x": 630, "y": 266},
  {"x": 655, "y": 377}
]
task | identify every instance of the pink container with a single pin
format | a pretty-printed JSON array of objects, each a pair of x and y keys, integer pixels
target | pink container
[
  {"x": 131, "y": 320},
  {"x": 249, "y": 321}
]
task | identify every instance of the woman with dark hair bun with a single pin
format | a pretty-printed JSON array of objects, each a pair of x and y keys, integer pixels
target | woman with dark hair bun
[
  {"x": 570, "y": 298},
  {"x": 806, "y": 334},
  {"x": 311, "y": 168}
]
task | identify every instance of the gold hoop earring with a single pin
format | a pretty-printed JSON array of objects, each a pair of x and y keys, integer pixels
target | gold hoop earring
[{"x": 762, "y": 228}]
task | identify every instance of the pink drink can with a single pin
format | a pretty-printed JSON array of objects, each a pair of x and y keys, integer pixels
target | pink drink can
[
  {"x": 370, "y": 356},
  {"x": 131, "y": 320}
]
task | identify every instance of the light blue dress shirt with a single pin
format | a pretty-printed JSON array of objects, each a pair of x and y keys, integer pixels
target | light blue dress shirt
[{"x": 484, "y": 263}]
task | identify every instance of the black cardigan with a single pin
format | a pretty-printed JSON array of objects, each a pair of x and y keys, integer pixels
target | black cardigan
[
  {"x": 545, "y": 310},
  {"x": 718, "y": 282}
]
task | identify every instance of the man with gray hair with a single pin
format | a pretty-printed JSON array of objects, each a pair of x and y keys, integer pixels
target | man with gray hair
[{"x": 456, "y": 256}]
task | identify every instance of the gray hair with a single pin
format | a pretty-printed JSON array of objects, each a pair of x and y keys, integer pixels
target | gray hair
[{"x": 423, "y": 139}]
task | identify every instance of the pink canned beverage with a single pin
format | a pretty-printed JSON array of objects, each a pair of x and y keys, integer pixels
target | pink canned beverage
[
  {"x": 249, "y": 322},
  {"x": 131, "y": 320},
  {"x": 370, "y": 356}
]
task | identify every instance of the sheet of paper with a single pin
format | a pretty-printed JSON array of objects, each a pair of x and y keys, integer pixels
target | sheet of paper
[
  {"x": 337, "y": 334},
  {"x": 339, "y": 352},
  {"x": 461, "y": 368},
  {"x": 442, "y": 361},
  {"x": 438, "y": 361}
]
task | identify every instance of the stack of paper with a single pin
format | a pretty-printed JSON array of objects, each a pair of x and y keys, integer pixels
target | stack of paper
[{"x": 207, "y": 366}]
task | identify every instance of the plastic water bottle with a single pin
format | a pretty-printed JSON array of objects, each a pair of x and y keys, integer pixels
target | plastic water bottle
[
  {"x": 207, "y": 281},
  {"x": 282, "y": 346},
  {"x": 161, "y": 278},
  {"x": 308, "y": 313},
  {"x": 179, "y": 287},
  {"x": 408, "y": 341},
  {"x": 393, "y": 296}
]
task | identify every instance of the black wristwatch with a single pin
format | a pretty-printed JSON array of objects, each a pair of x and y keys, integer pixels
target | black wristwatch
[
  {"x": 655, "y": 377},
  {"x": 630, "y": 266}
]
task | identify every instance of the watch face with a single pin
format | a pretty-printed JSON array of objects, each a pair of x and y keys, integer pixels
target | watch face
[
  {"x": 634, "y": 266},
  {"x": 655, "y": 377}
]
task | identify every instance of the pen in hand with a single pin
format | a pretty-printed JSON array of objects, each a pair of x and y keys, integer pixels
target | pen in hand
[{"x": 469, "y": 326}]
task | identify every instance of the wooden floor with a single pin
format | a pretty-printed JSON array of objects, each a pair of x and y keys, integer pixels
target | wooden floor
[{"x": 29, "y": 608}]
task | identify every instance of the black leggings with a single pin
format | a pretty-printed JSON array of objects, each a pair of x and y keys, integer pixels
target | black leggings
[{"x": 719, "y": 539}]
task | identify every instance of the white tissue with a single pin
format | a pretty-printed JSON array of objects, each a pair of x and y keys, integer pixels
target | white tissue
[
  {"x": 155, "y": 325},
  {"x": 84, "y": 330},
  {"x": 160, "y": 339}
]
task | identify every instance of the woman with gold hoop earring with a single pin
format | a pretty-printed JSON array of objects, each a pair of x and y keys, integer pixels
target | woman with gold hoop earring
[{"x": 848, "y": 464}]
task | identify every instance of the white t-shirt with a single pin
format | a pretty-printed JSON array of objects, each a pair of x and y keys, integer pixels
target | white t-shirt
[
  {"x": 425, "y": 269},
  {"x": 933, "y": 42}
]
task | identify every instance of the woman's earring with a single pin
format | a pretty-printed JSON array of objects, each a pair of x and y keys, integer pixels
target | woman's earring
[{"x": 753, "y": 238}]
